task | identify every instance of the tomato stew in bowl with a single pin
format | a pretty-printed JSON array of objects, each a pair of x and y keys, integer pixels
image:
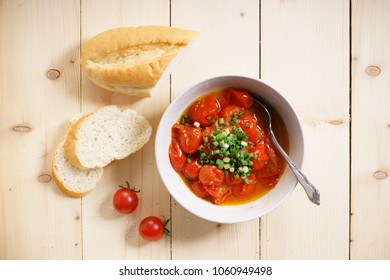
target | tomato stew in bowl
[
  {"x": 179, "y": 119},
  {"x": 221, "y": 150}
]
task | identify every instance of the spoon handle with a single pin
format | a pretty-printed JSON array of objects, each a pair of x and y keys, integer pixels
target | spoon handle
[{"x": 311, "y": 191}]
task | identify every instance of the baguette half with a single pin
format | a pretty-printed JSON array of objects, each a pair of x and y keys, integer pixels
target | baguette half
[
  {"x": 134, "y": 60},
  {"x": 107, "y": 134}
]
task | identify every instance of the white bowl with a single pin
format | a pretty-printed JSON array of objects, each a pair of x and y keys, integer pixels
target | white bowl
[{"x": 230, "y": 213}]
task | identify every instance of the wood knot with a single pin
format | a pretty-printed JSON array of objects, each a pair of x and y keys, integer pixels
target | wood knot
[
  {"x": 53, "y": 74},
  {"x": 380, "y": 175},
  {"x": 242, "y": 14},
  {"x": 335, "y": 122},
  {"x": 44, "y": 178},
  {"x": 77, "y": 218},
  {"x": 373, "y": 71},
  {"x": 22, "y": 128},
  {"x": 72, "y": 60}
]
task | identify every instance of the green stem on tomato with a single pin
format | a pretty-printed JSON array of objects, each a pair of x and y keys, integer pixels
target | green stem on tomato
[{"x": 129, "y": 187}]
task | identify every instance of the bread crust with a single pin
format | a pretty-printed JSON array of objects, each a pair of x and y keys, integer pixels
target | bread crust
[
  {"x": 70, "y": 147},
  {"x": 126, "y": 58},
  {"x": 66, "y": 190},
  {"x": 72, "y": 139},
  {"x": 63, "y": 186}
]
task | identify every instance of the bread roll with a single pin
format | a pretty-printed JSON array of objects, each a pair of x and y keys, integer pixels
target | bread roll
[{"x": 134, "y": 60}]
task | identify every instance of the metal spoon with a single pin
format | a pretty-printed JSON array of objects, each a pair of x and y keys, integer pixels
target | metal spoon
[{"x": 310, "y": 190}]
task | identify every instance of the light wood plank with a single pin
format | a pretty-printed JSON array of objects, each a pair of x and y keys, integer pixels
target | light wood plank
[
  {"x": 228, "y": 44},
  {"x": 36, "y": 220},
  {"x": 370, "y": 223},
  {"x": 117, "y": 235},
  {"x": 305, "y": 56}
]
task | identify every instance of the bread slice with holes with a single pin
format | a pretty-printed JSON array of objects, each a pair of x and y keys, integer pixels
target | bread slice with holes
[
  {"x": 71, "y": 180},
  {"x": 135, "y": 60},
  {"x": 107, "y": 134}
]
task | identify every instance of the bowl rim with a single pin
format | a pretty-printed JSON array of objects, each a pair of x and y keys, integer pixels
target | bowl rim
[{"x": 207, "y": 206}]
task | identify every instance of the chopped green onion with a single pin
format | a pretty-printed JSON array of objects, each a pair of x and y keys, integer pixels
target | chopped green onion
[
  {"x": 183, "y": 119},
  {"x": 227, "y": 150}
]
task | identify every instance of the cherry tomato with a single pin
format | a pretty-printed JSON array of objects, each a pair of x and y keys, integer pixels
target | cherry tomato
[
  {"x": 270, "y": 169},
  {"x": 220, "y": 193},
  {"x": 188, "y": 136},
  {"x": 273, "y": 155},
  {"x": 125, "y": 200},
  {"x": 228, "y": 112},
  {"x": 204, "y": 111},
  {"x": 152, "y": 228},
  {"x": 223, "y": 101},
  {"x": 198, "y": 189},
  {"x": 248, "y": 124},
  {"x": 176, "y": 156},
  {"x": 208, "y": 131},
  {"x": 261, "y": 156},
  {"x": 274, "y": 165},
  {"x": 232, "y": 180},
  {"x": 210, "y": 175},
  {"x": 245, "y": 189},
  {"x": 240, "y": 97},
  {"x": 269, "y": 182},
  {"x": 191, "y": 169},
  {"x": 190, "y": 139}
]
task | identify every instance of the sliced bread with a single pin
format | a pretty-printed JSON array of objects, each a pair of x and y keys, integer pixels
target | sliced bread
[
  {"x": 71, "y": 180},
  {"x": 108, "y": 134}
]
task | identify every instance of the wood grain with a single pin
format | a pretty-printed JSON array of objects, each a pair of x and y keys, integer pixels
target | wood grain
[
  {"x": 36, "y": 220},
  {"x": 121, "y": 231},
  {"x": 228, "y": 44},
  {"x": 305, "y": 56},
  {"x": 338, "y": 87},
  {"x": 370, "y": 223}
]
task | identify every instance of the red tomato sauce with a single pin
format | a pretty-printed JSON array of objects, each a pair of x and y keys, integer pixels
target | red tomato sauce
[{"x": 222, "y": 151}]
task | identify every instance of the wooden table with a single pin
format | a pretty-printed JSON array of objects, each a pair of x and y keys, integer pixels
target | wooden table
[{"x": 330, "y": 59}]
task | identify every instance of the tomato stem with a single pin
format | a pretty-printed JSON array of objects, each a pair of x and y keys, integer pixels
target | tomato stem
[
  {"x": 166, "y": 230},
  {"x": 129, "y": 187}
]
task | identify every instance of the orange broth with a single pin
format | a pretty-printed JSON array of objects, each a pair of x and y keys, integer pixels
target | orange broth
[{"x": 280, "y": 132}]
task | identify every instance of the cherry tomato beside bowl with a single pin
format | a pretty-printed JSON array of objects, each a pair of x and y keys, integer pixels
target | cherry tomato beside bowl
[
  {"x": 125, "y": 200},
  {"x": 152, "y": 228}
]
